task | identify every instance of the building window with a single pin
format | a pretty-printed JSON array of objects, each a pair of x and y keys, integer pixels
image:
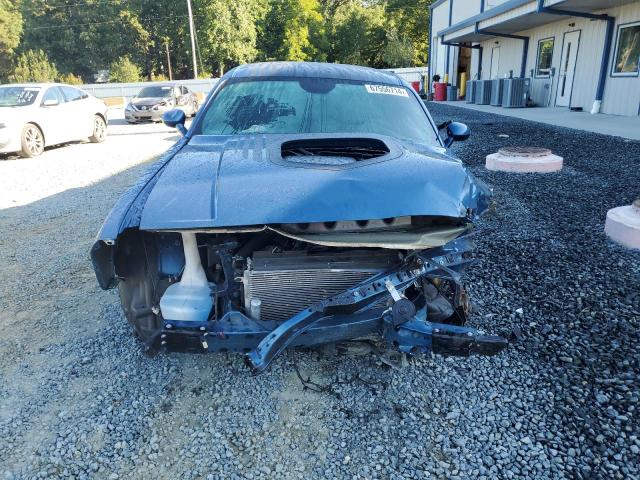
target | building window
[
  {"x": 545, "y": 55},
  {"x": 625, "y": 62}
]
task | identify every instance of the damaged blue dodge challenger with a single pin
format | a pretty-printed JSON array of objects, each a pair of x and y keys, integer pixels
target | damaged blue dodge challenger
[{"x": 307, "y": 203}]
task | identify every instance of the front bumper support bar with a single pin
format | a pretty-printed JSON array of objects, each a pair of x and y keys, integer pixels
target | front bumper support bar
[{"x": 412, "y": 336}]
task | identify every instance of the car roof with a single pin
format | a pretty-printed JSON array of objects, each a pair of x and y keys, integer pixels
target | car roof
[{"x": 335, "y": 71}]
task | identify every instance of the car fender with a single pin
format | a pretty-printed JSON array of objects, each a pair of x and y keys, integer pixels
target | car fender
[{"x": 125, "y": 215}]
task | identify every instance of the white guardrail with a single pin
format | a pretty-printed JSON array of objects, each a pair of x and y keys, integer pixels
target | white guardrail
[{"x": 204, "y": 86}]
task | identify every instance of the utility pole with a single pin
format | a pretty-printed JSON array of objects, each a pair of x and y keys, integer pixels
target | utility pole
[
  {"x": 193, "y": 40},
  {"x": 166, "y": 44}
]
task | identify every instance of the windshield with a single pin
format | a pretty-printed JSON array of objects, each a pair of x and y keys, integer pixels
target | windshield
[
  {"x": 18, "y": 96},
  {"x": 309, "y": 105},
  {"x": 155, "y": 92}
]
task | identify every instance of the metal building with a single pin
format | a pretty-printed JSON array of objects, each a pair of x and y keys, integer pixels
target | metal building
[{"x": 579, "y": 54}]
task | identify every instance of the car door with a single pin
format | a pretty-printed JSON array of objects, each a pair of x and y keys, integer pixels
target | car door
[
  {"x": 78, "y": 120},
  {"x": 50, "y": 115}
]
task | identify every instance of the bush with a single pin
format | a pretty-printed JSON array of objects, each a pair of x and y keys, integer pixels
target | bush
[
  {"x": 159, "y": 77},
  {"x": 124, "y": 70},
  {"x": 33, "y": 66},
  {"x": 70, "y": 79}
]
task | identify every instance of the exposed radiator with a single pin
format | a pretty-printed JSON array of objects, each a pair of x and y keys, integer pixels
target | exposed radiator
[{"x": 289, "y": 282}]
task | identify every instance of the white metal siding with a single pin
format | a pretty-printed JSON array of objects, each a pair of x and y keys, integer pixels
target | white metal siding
[
  {"x": 513, "y": 13},
  {"x": 489, "y": 4},
  {"x": 622, "y": 94},
  {"x": 440, "y": 21},
  {"x": 463, "y": 9},
  {"x": 510, "y": 56}
]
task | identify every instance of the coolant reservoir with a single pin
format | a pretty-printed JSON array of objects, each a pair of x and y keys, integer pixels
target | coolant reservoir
[{"x": 189, "y": 300}]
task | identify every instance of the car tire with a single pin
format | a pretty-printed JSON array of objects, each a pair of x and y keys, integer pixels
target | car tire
[
  {"x": 99, "y": 130},
  {"x": 32, "y": 141}
]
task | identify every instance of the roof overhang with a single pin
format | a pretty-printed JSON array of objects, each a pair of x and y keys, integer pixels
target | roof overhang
[{"x": 514, "y": 16}]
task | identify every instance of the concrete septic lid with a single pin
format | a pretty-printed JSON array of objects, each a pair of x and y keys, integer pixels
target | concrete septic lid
[
  {"x": 524, "y": 160},
  {"x": 623, "y": 225}
]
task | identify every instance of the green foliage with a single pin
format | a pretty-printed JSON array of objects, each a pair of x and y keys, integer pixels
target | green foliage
[
  {"x": 230, "y": 32},
  {"x": 33, "y": 66},
  {"x": 294, "y": 30},
  {"x": 398, "y": 52},
  {"x": 70, "y": 79},
  {"x": 10, "y": 30},
  {"x": 94, "y": 34},
  {"x": 123, "y": 70},
  {"x": 358, "y": 35}
]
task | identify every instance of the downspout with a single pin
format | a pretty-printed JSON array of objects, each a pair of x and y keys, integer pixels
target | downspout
[
  {"x": 525, "y": 46},
  {"x": 608, "y": 38},
  {"x": 481, "y": 6}
]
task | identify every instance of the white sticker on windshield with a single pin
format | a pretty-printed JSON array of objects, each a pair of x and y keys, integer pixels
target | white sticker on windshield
[{"x": 387, "y": 90}]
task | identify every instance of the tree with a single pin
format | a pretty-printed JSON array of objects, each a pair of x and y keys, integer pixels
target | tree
[
  {"x": 294, "y": 30},
  {"x": 10, "y": 30},
  {"x": 124, "y": 70},
  {"x": 358, "y": 35},
  {"x": 398, "y": 52},
  {"x": 411, "y": 17},
  {"x": 229, "y": 31},
  {"x": 70, "y": 79},
  {"x": 33, "y": 66}
]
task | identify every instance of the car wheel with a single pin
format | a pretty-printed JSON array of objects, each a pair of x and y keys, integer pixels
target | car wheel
[
  {"x": 32, "y": 141},
  {"x": 99, "y": 130}
]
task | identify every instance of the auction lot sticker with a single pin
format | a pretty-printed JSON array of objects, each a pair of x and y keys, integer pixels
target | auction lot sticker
[{"x": 387, "y": 90}]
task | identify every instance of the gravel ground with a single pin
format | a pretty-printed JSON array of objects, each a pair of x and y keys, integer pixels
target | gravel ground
[{"x": 79, "y": 399}]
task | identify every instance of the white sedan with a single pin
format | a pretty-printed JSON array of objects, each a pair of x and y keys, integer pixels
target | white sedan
[{"x": 38, "y": 115}]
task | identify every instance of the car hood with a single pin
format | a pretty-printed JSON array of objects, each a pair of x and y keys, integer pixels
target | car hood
[
  {"x": 236, "y": 181},
  {"x": 148, "y": 101}
]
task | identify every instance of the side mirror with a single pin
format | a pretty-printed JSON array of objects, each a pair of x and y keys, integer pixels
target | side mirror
[
  {"x": 456, "y": 132},
  {"x": 175, "y": 119},
  {"x": 50, "y": 102}
]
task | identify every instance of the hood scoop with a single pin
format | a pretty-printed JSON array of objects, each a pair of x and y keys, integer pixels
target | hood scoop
[{"x": 332, "y": 151}]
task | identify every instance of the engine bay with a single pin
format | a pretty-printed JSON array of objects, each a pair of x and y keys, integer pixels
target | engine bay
[{"x": 260, "y": 290}]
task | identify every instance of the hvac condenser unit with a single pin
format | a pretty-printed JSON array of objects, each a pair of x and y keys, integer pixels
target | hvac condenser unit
[
  {"x": 483, "y": 92},
  {"x": 515, "y": 92},
  {"x": 470, "y": 94},
  {"x": 497, "y": 85}
]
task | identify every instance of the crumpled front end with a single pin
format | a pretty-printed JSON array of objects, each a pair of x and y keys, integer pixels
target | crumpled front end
[
  {"x": 261, "y": 290},
  {"x": 207, "y": 257}
]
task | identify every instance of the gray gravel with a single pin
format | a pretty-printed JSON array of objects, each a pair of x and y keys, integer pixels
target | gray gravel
[{"x": 79, "y": 399}]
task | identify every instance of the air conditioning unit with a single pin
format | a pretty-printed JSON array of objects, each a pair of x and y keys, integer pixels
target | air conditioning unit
[
  {"x": 497, "y": 86},
  {"x": 515, "y": 92},
  {"x": 471, "y": 88},
  {"x": 483, "y": 92}
]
